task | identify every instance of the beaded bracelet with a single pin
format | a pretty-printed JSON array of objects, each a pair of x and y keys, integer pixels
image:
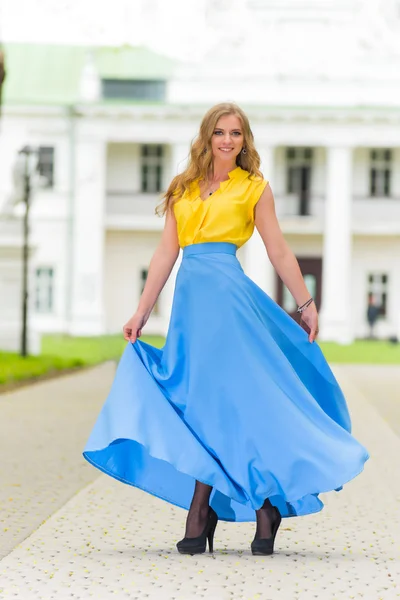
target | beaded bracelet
[{"x": 305, "y": 305}]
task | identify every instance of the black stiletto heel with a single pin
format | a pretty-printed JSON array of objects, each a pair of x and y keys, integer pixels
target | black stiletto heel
[
  {"x": 198, "y": 544},
  {"x": 265, "y": 546},
  {"x": 210, "y": 536}
]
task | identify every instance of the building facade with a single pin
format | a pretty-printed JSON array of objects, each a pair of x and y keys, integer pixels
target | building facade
[{"x": 114, "y": 134}]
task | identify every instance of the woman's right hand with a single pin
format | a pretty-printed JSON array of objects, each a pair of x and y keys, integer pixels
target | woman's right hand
[{"x": 133, "y": 328}]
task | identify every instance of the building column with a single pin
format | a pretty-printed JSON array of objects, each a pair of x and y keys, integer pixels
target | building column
[
  {"x": 397, "y": 330},
  {"x": 336, "y": 310},
  {"x": 179, "y": 153},
  {"x": 166, "y": 297},
  {"x": 87, "y": 293},
  {"x": 258, "y": 265},
  {"x": 179, "y": 158},
  {"x": 177, "y": 162}
]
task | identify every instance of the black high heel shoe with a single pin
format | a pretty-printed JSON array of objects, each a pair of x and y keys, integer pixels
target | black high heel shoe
[
  {"x": 198, "y": 544},
  {"x": 265, "y": 546}
]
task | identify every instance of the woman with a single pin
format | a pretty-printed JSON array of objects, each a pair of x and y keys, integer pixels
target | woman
[{"x": 238, "y": 416}]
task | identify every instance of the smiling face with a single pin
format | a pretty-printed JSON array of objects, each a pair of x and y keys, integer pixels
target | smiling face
[{"x": 227, "y": 138}]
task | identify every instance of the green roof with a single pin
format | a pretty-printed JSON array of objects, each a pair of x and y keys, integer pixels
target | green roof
[{"x": 50, "y": 74}]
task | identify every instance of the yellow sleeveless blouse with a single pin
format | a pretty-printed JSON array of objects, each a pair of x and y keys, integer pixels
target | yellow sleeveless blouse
[{"x": 225, "y": 216}]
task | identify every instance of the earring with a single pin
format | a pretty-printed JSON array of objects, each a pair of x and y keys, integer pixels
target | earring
[{"x": 244, "y": 151}]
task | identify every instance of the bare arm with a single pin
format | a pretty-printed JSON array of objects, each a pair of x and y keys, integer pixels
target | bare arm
[
  {"x": 282, "y": 257},
  {"x": 160, "y": 269}
]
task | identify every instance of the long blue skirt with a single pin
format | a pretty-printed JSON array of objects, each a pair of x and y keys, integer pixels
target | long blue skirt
[{"x": 237, "y": 398}]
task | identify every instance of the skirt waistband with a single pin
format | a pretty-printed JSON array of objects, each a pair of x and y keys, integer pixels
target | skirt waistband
[{"x": 210, "y": 248}]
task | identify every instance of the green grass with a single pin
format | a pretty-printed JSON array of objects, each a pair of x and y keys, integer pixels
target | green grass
[
  {"x": 61, "y": 353},
  {"x": 372, "y": 352},
  {"x": 15, "y": 368},
  {"x": 92, "y": 350}
]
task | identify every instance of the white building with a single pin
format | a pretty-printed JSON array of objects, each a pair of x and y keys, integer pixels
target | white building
[{"x": 321, "y": 86}]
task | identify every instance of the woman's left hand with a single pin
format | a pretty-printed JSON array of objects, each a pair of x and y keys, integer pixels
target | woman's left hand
[{"x": 309, "y": 317}]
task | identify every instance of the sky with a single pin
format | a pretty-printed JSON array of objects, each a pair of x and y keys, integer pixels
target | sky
[
  {"x": 190, "y": 30},
  {"x": 168, "y": 28}
]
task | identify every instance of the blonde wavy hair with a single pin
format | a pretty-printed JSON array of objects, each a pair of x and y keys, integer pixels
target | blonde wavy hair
[{"x": 201, "y": 158}]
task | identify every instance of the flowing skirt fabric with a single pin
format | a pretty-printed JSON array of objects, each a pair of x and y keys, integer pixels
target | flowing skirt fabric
[{"x": 237, "y": 398}]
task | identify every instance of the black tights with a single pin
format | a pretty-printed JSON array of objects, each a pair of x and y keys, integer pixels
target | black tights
[
  {"x": 197, "y": 516},
  {"x": 198, "y": 512}
]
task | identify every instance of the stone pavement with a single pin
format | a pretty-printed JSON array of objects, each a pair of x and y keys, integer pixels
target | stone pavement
[
  {"x": 381, "y": 386},
  {"x": 42, "y": 431},
  {"x": 114, "y": 541}
]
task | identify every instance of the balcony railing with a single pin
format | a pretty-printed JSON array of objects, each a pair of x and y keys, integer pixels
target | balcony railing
[
  {"x": 288, "y": 205},
  {"x": 376, "y": 211},
  {"x": 131, "y": 204},
  {"x": 368, "y": 213},
  {"x": 10, "y": 231}
]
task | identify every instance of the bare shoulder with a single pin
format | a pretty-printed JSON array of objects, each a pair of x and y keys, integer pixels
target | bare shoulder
[{"x": 267, "y": 191}]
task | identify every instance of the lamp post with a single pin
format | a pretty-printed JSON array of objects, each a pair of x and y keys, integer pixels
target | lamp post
[
  {"x": 26, "y": 166},
  {"x": 2, "y": 74}
]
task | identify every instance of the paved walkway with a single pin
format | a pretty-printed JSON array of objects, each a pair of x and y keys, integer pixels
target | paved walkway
[
  {"x": 43, "y": 429},
  {"x": 113, "y": 541}
]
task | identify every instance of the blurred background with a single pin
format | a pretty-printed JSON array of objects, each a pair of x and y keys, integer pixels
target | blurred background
[{"x": 99, "y": 105}]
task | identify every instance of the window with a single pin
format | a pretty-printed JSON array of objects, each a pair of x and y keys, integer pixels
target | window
[
  {"x": 44, "y": 281},
  {"x": 299, "y": 163},
  {"x": 378, "y": 285},
  {"x": 380, "y": 172},
  {"x": 152, "y": 157},
  {"x": 133, "y": 89},
  {"x": 143, "y": 278},
  {"x": 46, "y": 165},
  {"x": 297, "y": 159}
]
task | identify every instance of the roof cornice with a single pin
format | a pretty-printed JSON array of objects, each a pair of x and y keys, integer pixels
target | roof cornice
[{"x": 183, "y": 112}]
